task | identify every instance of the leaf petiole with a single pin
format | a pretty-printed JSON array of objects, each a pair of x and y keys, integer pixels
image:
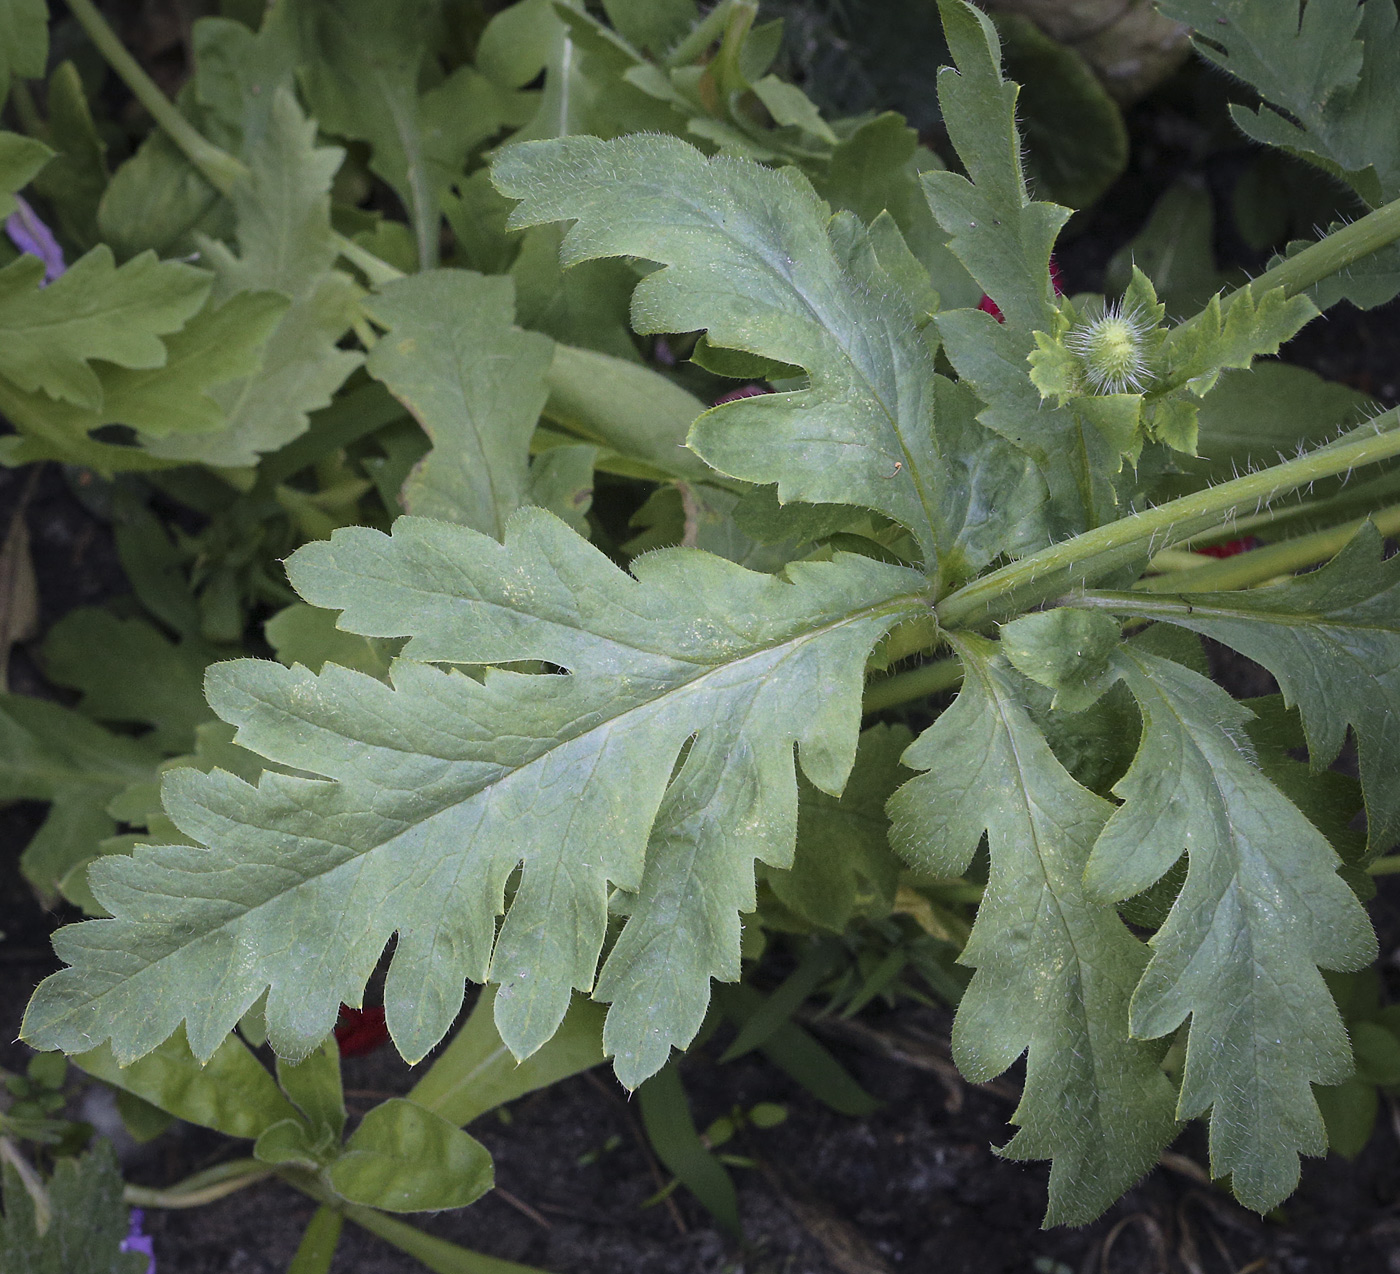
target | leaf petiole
[{"x": 219, "y": 168}]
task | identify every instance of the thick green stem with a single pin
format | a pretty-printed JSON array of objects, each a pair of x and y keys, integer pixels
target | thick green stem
[
  {"x": 1388, "y": 866},
  {"x": 917, "y": 683},
  {"x": 1261, "y": 565},
  {"x": 219, "y": 168},
  {"x": 1331, "y": 255},
  {"x": 1056, "y": 570}
]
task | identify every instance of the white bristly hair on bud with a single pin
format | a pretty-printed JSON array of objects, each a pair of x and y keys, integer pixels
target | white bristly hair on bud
[{"x": 1113, "y": 350}]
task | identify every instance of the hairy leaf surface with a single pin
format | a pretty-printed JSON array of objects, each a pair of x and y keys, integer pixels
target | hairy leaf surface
[
  {"x": 1261, "y": 907},
  {"x": 437, "y": 788},
  {"x": 1055, "y": 970},
  {"x": 749, "y": 259}
]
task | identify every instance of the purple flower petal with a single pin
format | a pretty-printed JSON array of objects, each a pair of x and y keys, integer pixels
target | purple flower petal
[
  {"x": 138, "y": 1242},
  {"x": 31, "y": 235}
]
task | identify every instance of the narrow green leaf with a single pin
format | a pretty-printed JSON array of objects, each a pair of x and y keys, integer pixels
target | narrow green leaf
[
  {"x": 316, "y": 1250},
  {"x": 474, "y": 381},
  {"x": 1054, "y": 970},
  {"x": 671, "y": 1130},
  {"x": 476, "y": 1072},
  {"x": 1261, "y": 907},
  {"x": 24, "y": 41}
]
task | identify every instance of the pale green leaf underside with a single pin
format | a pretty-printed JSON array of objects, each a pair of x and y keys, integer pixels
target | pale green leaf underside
[
  {"x": 749, "y": 259},
  {"x": 1054, "y": 970},
  {"x": 1261, "y": 907},
  {"x": 436, "y": 788}
]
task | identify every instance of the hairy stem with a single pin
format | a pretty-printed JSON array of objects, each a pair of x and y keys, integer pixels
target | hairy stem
[
  {"x": 916, "y": 683},
  {"x": 219, "y": 168},
  {"x": 1260, "y": 565},
  {"x": 1329, "y": 256},
  {"x": 1057, "y": 570}
]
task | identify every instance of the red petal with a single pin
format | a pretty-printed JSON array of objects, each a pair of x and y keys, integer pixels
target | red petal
[
  {"x": 1231, "y": 547},
  {"x": 360, "y": 1031}
]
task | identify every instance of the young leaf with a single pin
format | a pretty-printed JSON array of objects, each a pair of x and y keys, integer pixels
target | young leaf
[
  {"x": 95, "y": 310},
  {"x": 286, "y": 246},
  {"x": 402, "y": 1158},
  {"x": 999, "y": 233},
  {"x": 1054, "y": 970},
  {"x": 1261, "y": 907},
  {"x": 1197, "y": 352},
  {"x": 1004, "y": 239},
  {"x": 747, "y": 256},
  {"x": 438, "y": 788},
  {"x": 1332, "y": 639},
  {"x": 474, "y": 381}
]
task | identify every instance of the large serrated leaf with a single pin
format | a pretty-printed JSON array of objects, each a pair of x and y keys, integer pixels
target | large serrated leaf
[
  {"x": 748, "y": 257},
  {"x": 1054, "y": 970},
  {"x": 1261, "y": 907},
  {"x": 1332, "y": 639},
  {"x": 436, "y": 789}
]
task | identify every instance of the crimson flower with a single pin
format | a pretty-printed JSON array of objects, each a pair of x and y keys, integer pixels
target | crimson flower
[
  {"x": 1231, "y": 547},
  {"x": 360, "y": 1031}
]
